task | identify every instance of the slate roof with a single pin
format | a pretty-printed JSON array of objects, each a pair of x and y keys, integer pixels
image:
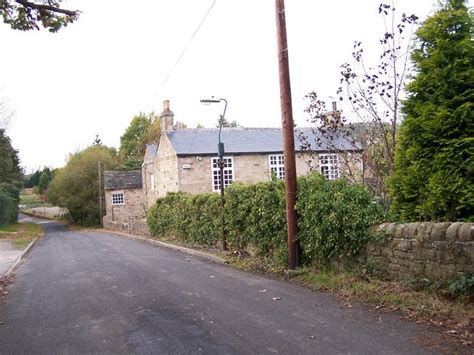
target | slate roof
[
  {"x": 150, "y": 152},
  {"x": 203, "y": 141},
  {"x": 115, "y": 180}
]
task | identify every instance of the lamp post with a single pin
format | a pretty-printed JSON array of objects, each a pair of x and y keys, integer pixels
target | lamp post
[{"x": 220, "y": 164}]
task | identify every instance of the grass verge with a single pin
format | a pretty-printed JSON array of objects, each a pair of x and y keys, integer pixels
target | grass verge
[{"x": 21, "y": 234}]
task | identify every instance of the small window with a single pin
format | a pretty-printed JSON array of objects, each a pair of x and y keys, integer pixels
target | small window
[
  {"x": 329, "y": 166},
  {"x": 117, "y": 199},
  {"x": 216, "y": 174},
  {"x": 277, "y": 165}
]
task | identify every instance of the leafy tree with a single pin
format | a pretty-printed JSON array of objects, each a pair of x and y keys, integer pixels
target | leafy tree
[
  {"x": 434, "y": 166},
  {"x": 143, "y": 129},
  {"x": 10, "y": 180},
  {"x": 9, "y": 199},
  {"x": 32, "y": 180},
  {"x": 10, "y": 171},
  {"x": 374, "y": 94},
  {"x": 25, "y": 15},
  {"x": 76, "y": 186},
  {"x": 44, "y": 180}
]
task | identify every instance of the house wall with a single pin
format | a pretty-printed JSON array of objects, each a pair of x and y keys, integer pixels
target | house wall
[
  {"x": 150, "y": 192},
  {"x": 193, "y": 174},
  {"x": 133, "y": 207},
  {"x": 248, "y": 169},
  {"x": 166, "y": 169}
]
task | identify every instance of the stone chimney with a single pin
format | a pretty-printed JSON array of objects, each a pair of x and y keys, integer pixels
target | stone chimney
[{"x": 166, "y": 117}]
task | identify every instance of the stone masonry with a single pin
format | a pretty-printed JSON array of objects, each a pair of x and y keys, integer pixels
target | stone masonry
[
  {"x": 133, "y": 207},
  {"x": 437, "y": 251}
]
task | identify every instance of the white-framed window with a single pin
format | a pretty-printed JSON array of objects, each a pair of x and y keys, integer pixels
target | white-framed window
[
  {"x": 152, "y": 182},
  {"x": 276, "y": 163},
  {"x": 228, "y": 173},
  {"x": 329, "y": 166},
  {"x": 117, "y": 198}
]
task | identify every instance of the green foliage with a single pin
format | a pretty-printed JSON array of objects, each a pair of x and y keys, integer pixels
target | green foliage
[
  {"x": 44, "y": 180},
  {"x": 255, "y": 216},
  {"x": 9, "y": 198},
  {"x": 464, "y": 285},
  {"x": 203, "y": 221},
  {"x": 76, "y": 186},
  {"x": 40, "y": 179},
  {"x": 10, "y": 171},
  {"x": 143, "y": 129},
  {"x": 434, "y": 165},
  {"x": 10, "y": 180},
  {"x": 199, "y": 224},
  {"x": 334, "y": 217},
  {"x": 28, "y": 15},
  {"x": 32, "y": 180}
]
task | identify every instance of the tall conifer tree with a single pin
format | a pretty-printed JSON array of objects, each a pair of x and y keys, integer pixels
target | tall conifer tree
[{"x": 434, "y": 162}]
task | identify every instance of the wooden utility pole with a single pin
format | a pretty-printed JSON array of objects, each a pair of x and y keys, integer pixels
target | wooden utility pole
[
  {"x": 100, "y": 193},
  {"x": 288, "y": 133}
]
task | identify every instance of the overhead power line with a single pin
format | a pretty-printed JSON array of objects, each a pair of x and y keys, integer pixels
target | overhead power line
[{"x": 188, "y": 44}]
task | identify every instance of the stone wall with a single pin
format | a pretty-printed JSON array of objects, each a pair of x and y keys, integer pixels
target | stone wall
[
  {"x": 132, "y": 226},
  {"x": 437, "y": 251},
  {"x": 134, "y": 205}
]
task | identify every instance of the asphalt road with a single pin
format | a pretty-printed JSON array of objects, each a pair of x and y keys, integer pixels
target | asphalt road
[{"x": 81, "y": 292}]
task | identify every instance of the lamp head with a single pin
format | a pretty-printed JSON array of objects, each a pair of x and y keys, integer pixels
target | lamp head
[{"x": 212, "y": 100}]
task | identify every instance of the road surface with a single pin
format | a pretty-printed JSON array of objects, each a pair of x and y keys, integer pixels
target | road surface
[{"x": 87, "y": 292}]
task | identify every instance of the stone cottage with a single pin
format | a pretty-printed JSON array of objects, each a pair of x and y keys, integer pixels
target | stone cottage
[
  {"x": 186, "y": 160},
  {"x": 125, "y": 204}
]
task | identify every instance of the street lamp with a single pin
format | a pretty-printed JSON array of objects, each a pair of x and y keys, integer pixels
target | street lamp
[{"x": 220, "y": 164}]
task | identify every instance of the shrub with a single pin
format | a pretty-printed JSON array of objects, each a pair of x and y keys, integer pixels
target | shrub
[
  {"x": 190, "y": 218},
  {"x": 9, "y": 199},
  {"x": 255, "y": 216},
  {"x": 334, "y": 218},
  {"x": 203, "y": 227},
  {"x": 463, "y": 285}
]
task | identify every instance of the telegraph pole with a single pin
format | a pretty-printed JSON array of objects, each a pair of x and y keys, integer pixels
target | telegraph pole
[
  {"x": 288, "y": 133},
  {"x": 100, "y": 193}
]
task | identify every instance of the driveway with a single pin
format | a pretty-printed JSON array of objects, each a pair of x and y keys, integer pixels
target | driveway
[{"x": 84, "y": 292}]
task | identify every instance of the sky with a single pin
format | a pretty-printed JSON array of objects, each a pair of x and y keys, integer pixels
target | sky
[{"x": 93, "y": 76}]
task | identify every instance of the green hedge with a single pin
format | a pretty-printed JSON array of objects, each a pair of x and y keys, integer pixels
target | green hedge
[
  {"x": 334, "y": 218},
  {"x": 9, "y": 199},
  {"x": 256, "y": 218},
  {"x": 191, "y": 218}
]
